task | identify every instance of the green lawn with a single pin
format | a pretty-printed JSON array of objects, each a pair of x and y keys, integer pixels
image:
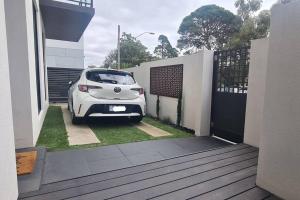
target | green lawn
[
  {"x": 111, "y": 131},
  {"x": 118, "y": 133},
  {"x": 53, "y": 134},
  {"x": 175, "y": 131}
]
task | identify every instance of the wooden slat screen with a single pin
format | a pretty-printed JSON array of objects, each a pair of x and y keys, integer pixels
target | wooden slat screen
[{"x": 166, "y": 80}]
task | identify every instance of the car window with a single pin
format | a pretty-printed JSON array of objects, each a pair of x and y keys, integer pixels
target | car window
[{"x": 110, "y": 77}]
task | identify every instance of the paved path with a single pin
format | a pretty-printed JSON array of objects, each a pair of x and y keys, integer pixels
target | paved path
[
  {"x": 151, "y": 130},
  {"x": 78, "y": 134},
  {"x": 70, "y": 164}
]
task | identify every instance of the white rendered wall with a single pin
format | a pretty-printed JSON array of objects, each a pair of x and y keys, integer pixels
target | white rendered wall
[
  {"x": 256, "y": 91},
  {"x": 27, "y": 120},
  {"x": 279, "y": 155},
  {"x": 8, "y": 180},
  {"x": 65, "y": 54},
  {"x": 197, "y": 83}
]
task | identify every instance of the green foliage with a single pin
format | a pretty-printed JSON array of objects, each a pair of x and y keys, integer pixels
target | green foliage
[
  {"x": 157, "y": 107},
  {"x": 263, "y": 23},
  {"x": 252, "y": 28},
  {"x": 209, "y": 26},
  {"x": 246, "y": 8},
  {"x": 165, "y": 49},
  {"x": 53, "y": 134},
  {"x": 179, "y": 109},
  {"x": 176, "y": 132},
  {"x": 132, "y": 53},
  {"x": 111, "y": 132}
]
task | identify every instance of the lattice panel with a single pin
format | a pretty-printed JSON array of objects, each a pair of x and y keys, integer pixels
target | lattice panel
[
  {"x": 232, "y": 68},
  {"x": 166, "y": 80}
]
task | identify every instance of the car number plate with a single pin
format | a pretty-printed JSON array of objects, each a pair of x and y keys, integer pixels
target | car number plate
[{"x": 117, "y": 108}]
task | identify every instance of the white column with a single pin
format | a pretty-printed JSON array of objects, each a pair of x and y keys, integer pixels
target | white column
[
  {"x": 256, "y": 91},
  {"x": 8, "y": 177},
  {"x": 279, "y": 156}
]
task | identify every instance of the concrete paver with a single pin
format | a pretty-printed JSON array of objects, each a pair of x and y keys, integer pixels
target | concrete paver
[{"x": 78, "y": 134}]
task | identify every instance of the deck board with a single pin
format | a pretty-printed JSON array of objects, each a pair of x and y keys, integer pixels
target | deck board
[{"x": 214, "y": 174}]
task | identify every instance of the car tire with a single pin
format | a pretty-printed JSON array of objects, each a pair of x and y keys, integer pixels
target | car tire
[
  {"x": 136, "y": 119},
  {"x": 74, "y": 119}
]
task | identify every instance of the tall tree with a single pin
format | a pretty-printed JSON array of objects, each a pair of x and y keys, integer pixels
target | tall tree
[
  {"x": 132, "y": 53},
  {"x": 209, "y": 26},
  {"x": 165, "y": 49},
  {"x": 110, "y": 60},
  {"x": 246, "y": 8},
  {"x": 253, "y": 27}
]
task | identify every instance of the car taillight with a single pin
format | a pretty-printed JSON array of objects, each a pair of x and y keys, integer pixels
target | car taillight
[
  {"x": 83, "y": 88},
  {"x": 86, "y": 88},
  {"x": 140, "y": 90}
]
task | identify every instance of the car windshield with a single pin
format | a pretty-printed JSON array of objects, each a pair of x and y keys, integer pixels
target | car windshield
[{"x": 112, "y": 77}]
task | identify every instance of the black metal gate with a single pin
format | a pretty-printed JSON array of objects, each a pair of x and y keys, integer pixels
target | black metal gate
[{"x": 230, "y": 84}]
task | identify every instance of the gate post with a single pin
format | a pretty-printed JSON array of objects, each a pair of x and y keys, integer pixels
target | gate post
[{"x": 203, "y": 104}]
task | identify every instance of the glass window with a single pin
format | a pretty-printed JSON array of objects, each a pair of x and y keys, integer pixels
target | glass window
[{"x": 110, "y": 77}]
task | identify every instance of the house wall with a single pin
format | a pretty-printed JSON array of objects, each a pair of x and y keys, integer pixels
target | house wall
[
  {"x": 65, "y": 54},
  {"x": 256, "y": 91},
  {"x": 279, "y": 155},
  {"x": 8, "y": 180},
  {"x": 20, "y": 38},
  {"x": 197, "y": 86}
]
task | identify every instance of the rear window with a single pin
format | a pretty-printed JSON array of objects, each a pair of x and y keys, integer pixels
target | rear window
[{"x": 112, "y": 77}]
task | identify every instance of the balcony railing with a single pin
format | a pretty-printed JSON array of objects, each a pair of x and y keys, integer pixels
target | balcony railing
[{"x": 83, "y": 3}]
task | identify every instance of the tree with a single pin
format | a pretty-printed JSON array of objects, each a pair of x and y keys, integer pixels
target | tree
[
  {"x": 263, "y": 23},
  {"x": 246, "y": 8},
  {"x": 132, "y": 53},
  {"x": 165, "y": 49},
  {"x": 110, "y": 60},
  {"x": 209, "y": 26},
  {"x": 253, "y": 27}
]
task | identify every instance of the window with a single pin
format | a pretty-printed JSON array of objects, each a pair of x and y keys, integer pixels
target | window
[
  {"x": 37, "y": 61},
  {"x": 111, "y": 77}
]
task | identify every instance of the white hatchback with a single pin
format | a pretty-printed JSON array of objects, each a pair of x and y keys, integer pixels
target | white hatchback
[{"x": 106, "y": 93}]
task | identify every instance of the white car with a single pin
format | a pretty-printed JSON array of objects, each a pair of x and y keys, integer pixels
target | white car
[{"x": 106, "y": 93}]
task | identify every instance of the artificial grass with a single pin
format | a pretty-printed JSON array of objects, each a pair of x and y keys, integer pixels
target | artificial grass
[
  {"x": 176, "y": 132},
  {"x": 118, "y": 133},
  {"x": 110, "y": 131},
  {"x": 53, "y": 134}
]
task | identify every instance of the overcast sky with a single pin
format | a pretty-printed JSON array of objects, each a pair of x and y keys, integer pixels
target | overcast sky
[{"x": 138, "y": 16}]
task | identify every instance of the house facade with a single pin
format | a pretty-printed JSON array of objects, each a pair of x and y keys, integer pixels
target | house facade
[
  {"x": 25, "y": 26},
  {"x": 65, "y": 61}
]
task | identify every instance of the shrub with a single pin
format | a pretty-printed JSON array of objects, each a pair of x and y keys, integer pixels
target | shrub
[
  {"x": 179, "y": 107},
  {"x": 157, "y": 107}
]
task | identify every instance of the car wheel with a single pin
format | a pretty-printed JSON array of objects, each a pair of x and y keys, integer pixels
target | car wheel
[
  {"x": 75, "y": 120},
  {"x": 136, "y": 119}
]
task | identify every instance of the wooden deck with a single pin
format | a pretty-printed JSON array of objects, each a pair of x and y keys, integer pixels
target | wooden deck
[{"x": 223, "y": 173}]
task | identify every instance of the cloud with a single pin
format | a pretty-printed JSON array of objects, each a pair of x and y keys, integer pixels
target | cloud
[{"x": 138, "y": 16}]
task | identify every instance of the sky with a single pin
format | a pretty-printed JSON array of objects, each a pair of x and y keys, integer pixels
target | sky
[{"x": 138, "y": 16}]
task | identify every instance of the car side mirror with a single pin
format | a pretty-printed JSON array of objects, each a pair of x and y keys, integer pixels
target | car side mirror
[{"x": 70, "y": 83}]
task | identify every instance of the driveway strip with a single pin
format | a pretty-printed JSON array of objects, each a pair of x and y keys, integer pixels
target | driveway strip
[
  {"x": 78, "y": 134},
  {"x": 152, "y": 130}
]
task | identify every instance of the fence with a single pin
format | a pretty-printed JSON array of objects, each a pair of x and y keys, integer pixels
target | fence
[{"x": 191, "y": 75}]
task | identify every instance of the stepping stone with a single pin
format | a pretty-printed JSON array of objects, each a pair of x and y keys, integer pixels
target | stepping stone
[
  {"x": 78, "y": 134},
  {"x": 152, "y": 130}
]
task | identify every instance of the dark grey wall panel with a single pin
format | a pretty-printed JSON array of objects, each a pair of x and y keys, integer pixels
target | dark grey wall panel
[{"x": 58, "y": 79}]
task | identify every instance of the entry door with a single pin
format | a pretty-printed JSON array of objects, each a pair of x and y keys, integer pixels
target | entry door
[{"x": 230, "y": 84}]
